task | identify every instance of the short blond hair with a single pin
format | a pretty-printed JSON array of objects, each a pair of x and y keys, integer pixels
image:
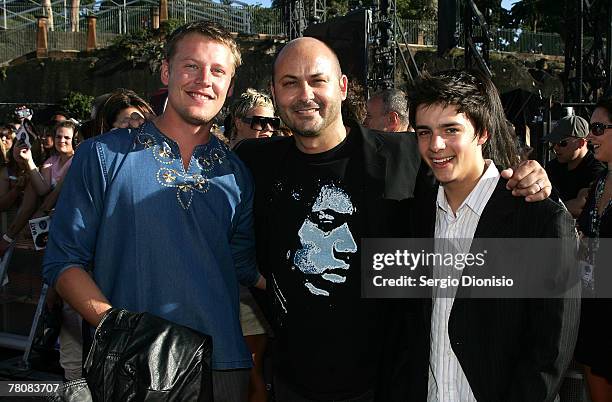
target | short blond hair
[
  {"x": 207, "y": 29},
  {"x": 249, "y": 99}
]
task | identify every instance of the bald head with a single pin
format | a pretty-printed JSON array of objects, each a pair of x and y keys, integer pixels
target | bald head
[
  {"x": 308, "y": 88},
  {"x": 306, "y": 46}
]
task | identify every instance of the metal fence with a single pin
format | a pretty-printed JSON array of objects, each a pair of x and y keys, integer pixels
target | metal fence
[
  {"x": 120, "y": 19},
  {"x": 16, "y": 42},
  {"x": 126, "y": 18},
  {"x": 23, "y": 16},
  {"x": 60, "y": 40},
  {"x": 420, "y": 31},
  {"x": 505, "y": 40}
]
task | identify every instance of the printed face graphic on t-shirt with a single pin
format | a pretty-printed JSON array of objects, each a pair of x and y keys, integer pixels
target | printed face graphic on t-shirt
[{"x": 323, "y": 234}]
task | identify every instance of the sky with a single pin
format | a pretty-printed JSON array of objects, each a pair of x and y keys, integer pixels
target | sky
[
  {"x": 507, "y": 4},
  {"x": 264, "y": 3}
]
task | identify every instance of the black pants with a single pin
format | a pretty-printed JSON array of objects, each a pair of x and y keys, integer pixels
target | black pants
[{"x": 284, "y": 393}]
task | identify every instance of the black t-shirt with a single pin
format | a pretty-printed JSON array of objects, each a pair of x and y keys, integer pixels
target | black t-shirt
[
  {"x": 569, "y": 182},
  {"x": 328, "y": 337}
]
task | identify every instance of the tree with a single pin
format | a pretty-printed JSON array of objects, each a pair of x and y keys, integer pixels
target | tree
[
  {"x": 74, "y": 15},
  {"x": 77, "y": 105},
  {"x": 48, "y": 11},
  {"x": 409, "y": 9},
  {"x": 538, "y": 15}
]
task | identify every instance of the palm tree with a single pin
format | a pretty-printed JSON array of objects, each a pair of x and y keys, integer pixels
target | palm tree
[
  {"x": 48, "y": 11},
  {"x": 74, "y": 15}
]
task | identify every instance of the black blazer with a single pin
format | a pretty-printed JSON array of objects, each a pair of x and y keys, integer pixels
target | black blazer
[{"x": 509, "y": 349}]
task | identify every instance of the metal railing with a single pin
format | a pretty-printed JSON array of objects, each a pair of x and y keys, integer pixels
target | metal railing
[
  {"x": 505, "y": 40},
  {"x": 420, "y": 31},
  {"x": 59, "y": 40},
  {"x": 119, "y": 19},
  {"x": 127, "y": 18},
  {"x": 15, "y": 43}
]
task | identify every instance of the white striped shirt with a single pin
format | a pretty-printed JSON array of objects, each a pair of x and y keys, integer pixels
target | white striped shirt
[{"x": 447, "y": 381}]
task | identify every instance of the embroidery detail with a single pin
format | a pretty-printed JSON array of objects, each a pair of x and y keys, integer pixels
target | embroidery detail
[
  {"x": 205, "y": 163},
  {"x": 146, "y": 140},
  {"x": 163, "y": 153},
  {"x": 217, "y": 155},
  {"x": 185, "y": 184},
  {"x": 168, "y": 177}
]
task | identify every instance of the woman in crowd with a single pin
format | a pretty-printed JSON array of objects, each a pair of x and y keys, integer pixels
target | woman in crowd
[
  {"x": 47, "y": 182},
  {"x": 6, "y": 142},
  {"x": 48, "y": 141},
  {"x": 14, "y": 182},
  {"x": 594, "y": 347},
  {"x": 117, "y": 109},
  {"x": 251, "y": 116},
  {"x": 35, "y": 182},
  {"x": 65, "y": 139}
]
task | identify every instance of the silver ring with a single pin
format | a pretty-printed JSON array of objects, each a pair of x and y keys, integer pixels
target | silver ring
[{"x": 539, "y": 186}]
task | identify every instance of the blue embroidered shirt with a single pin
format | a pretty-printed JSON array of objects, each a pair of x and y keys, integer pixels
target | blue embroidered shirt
[{"x": 161, "y": 239}]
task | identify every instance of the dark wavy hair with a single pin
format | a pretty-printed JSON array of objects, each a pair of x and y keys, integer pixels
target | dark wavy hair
[
  {"x": 474, "y": 94},
  {"x": 118, "y": 100}
]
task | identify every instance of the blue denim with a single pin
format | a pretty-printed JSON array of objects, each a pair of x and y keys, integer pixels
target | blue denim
[{"x": 161, "y": 239}]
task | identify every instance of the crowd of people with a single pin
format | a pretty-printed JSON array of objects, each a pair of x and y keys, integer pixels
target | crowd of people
[{"x": 251, "y": 231}]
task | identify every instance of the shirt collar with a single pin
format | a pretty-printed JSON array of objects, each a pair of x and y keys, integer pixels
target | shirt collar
[{"x": 480, "y": 194}]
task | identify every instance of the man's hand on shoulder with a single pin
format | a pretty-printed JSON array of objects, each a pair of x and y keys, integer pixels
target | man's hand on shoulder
[
  {"x": 261, "y": 283},
  {"x": 529, "y": 180},
  {"x": 576, "y": 205}
]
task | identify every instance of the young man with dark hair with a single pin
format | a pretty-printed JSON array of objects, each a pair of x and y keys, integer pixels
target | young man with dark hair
[
  {"x": 481, "y": 349},
  {"x": 164, "y": 213}
]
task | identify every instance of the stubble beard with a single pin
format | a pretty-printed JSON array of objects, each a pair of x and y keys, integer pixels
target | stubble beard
[
  {"x": 325, "y": 122},
  {"x": 195, "y": 119}
]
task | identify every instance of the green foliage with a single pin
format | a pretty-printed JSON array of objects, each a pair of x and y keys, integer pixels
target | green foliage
[
  {"x": 143, "y": 47},
  {"x": 138, "y": 47},
  {"x": 410, "y": 9},
  {"x": 77, "y": 105},
  {"x": 263, "y": 18},
  {"x": 166, "y": 27},
  {"x": 417, "y": 9},
  {"x": 539, "y": 15}
]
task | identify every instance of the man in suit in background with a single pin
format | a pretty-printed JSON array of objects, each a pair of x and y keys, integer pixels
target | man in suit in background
[
  {"x": 481, "y": 349},
  {"x": 387, "y": 111}
]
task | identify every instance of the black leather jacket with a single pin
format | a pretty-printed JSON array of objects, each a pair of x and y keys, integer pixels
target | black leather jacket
[{"x": 138, "y": 357}]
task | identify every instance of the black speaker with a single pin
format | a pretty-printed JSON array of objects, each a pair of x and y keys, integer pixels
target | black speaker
[
  {"x": 347, "y": 36},
  {"x": 448, "y": 31}
]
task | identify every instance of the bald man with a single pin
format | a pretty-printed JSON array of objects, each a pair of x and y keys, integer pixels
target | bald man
[{"x": 318, "y": 194}]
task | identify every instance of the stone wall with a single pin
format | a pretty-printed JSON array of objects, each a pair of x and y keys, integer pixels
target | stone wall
[{"x": 49, "y": 80}]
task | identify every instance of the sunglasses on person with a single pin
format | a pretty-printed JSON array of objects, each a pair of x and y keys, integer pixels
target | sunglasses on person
[
  {"x": 260, "y": 122},
  {"x": 562, "y": 143},
  {"x": 598, "y": 129}
]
